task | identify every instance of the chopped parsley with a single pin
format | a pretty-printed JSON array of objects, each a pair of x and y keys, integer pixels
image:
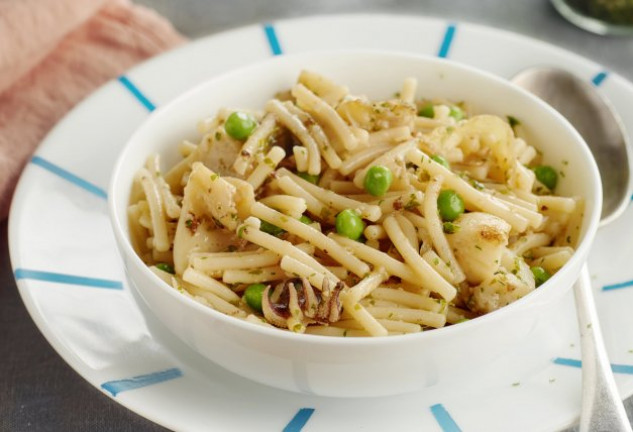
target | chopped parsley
[
  {"x": 268, "y": 161},
  {"x": 412, "y": 203},
  {"x": 451, "y": 228}
]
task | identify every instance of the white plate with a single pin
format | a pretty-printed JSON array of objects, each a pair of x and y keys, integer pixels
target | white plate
[{"x": 72, "y": 281}]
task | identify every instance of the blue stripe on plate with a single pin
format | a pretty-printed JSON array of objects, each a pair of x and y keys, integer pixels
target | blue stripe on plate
[
  {"x": 67, "y": 175},
  {"x": 299, "y": 420},
  {"x": 273, "y": 42},
  {"x": 444, "y": 419},
  {"x": 449, "y": 36},
  {"x": 599, "y": 78},
  {"x": 616, "y": 368},
  {"x": 63, "y": 278},
  {"x": 118, "y": 386},
  {"x": 627, "y": 284},
  {"x": 137, "y": 93}
]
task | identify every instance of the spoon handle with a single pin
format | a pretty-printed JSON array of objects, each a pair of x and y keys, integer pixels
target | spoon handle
[{"x": 602, "y": 408}]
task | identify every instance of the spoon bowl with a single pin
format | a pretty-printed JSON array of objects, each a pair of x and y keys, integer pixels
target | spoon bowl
[{"x": 598, "y": 123}]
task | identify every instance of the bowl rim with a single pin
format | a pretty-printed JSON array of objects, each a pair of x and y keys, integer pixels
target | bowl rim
[{"x": 579, "y": 256}]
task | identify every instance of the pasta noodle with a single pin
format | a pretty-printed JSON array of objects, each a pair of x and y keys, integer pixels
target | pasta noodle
[
  {"x": 327, "y": 150},
  {"x": 326, "y": 115},
  {"x": 268, "y": 165},
  {"x": 251, "y": 146},
  {"x": 287, "y": 204},
  {"x": 362, "y": 158},
  {"x": 395, "y": 135},
  {"x": 296, "y": 126},
  {"x": 435, "y": 228},
  {"x": 432, "y": 280},
  {"x": 160, "y": 240},
  {"x": 251, "y": 276},
  {"x": 327, "y": 215}
]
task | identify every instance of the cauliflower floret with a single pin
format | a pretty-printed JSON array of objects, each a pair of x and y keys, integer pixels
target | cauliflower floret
[
  {"x": 512, "y": 281},
  {"x": 210, "y": 204},
  {"x": 478, "y": 243},
  {"x": 494, "y": 135}
]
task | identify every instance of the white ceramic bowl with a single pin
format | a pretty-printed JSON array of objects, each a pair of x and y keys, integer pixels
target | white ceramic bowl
[{"x": 354, "y": 367}]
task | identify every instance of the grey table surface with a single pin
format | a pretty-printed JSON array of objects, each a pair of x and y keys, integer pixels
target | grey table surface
[{"x": 38, "y": 390}]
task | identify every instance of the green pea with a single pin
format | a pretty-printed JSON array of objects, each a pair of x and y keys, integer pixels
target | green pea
[
  {"x": 271, "y": 229},
  {"x": 378, "y": 179},
  {"x": 305, "y": 219},
  {"x": 312, "y": 178},
  {"x": 441, "y": 160},
  {"x": 240, "y": 125},
  {"x": 546, "y": 175},
  {"x": 450, "y": 205},
  {"x": 165, "y": 267},
  {"x": 540, "y": 274},
  {"x": 253, "y": 296},
  {"x": 349, "y": 224},
  {"x": 456, "y": 112},
  {"x": 427, "y": 111}
]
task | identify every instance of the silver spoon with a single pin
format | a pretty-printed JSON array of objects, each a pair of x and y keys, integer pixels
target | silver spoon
[
  {"x": 601, "y": 127},
  {"x": 598, "y": 123}
]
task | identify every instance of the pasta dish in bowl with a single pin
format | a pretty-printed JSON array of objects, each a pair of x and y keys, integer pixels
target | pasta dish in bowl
[{"x": 419, "y": 199}]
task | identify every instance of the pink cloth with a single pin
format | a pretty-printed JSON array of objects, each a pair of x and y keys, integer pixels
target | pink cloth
[{"x": 55, "y": 52}]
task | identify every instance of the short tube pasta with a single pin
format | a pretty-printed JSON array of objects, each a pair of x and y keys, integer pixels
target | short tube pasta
[
  {"x": 432, "y": 280},
  {"x": 287, "y": 204},
  {"x": 266, "y": 166}
]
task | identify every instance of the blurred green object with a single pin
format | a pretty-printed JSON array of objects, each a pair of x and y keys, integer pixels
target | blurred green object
[{"x": 604, "y": 17}]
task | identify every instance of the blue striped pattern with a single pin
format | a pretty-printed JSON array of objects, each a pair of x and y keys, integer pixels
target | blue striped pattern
[
  {"x": 67, "y": 279},
  {"x": 627, "y": 284},
  {"x": 622, "y": 369},
  {"x": 449, "y": 35},
  {"x": 119, "y": 386},
  {"x": 599, "y": 78},
  {"x": 616, "y": 368},
  {"x": 273, "y": 42},
  {"x": 299, "y": 420},
  {"x": 129, "y": 85},
  {"x": 67, "y": 175},
  {"x": 444, "y": 419}
]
